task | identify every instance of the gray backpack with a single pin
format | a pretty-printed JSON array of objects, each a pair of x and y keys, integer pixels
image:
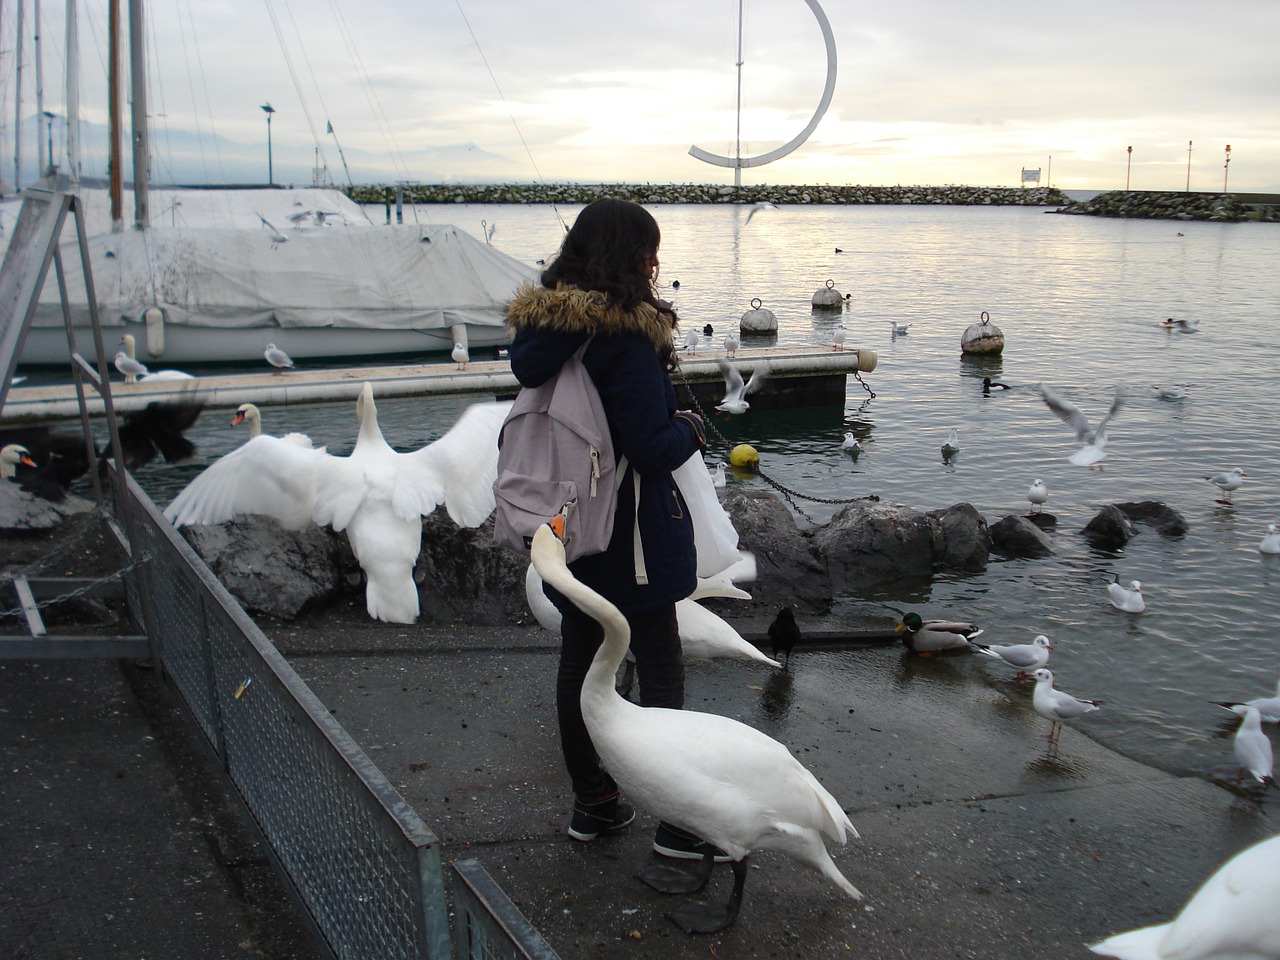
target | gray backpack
[{"x": 555, "y": 455}]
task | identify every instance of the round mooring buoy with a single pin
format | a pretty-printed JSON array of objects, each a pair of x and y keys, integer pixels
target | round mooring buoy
[
  {"x": 828, "y": 297},
  {"x": 758, "y": 319},
  {"x": 744, "y": 456},
  {"x": 983, "y": 337}
]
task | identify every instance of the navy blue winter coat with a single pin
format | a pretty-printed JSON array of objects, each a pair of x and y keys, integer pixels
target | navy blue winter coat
[{"x": 548, "y": 326}]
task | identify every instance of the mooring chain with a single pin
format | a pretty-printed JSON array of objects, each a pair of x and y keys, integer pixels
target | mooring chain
[
  {"x": 787, "y": 492},
  {"x": 79, "y": 591}
]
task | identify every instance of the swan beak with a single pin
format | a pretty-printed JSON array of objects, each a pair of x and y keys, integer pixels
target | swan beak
[
  {"x": 26, "y": 460},
  {"x": 900, "y": 627},
  {"x": 556, "y": 524},
  {"x": 236, "y": 420}
]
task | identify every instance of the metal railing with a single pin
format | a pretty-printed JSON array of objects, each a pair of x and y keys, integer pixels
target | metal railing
[{"x": 360, "y": 861}]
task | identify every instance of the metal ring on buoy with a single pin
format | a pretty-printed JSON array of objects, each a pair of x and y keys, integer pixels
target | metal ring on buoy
[
  {"x": 830, "y": 284},
  {"x": 984, "y": 317},
  {"x": 756, "y": 303}
]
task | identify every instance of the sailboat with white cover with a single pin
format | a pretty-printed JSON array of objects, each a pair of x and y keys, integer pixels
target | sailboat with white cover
[{"x": 214, "y": 275}]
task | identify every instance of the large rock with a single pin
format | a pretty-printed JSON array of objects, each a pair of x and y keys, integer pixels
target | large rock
[
  {"x": 1020, "y": 537},
  {"x": 267, "y": 568},
  {"x": 787, "y": 570},
  {"x": 962, "y": 540},
  {"x": 871, "y": 542},
  {"x": 1110, "y": 529},
  {"x": 1160, "y": 516},
  {"x": 463, "y": 576},
  {"x": 23, "y": 512}
]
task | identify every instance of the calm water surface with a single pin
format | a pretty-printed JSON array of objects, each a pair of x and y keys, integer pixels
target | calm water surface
[{"x": 1079, "y": 300}]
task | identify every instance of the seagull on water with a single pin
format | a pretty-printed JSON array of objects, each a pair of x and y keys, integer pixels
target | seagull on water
[
  {"x": 952, "y": 446},
  {"x": 1227, "y": 481},
  {"x": 1271, "y": 542},
  {"x": 735, "y": 391},
  {"x": 851, "y": 445},
  {"x": 899, "y": 330},
  {"x": 1130, "y": 601},
  {"x": 1176, "y": 391},
  {"x": 1232, "y": 915},
  {"x": 1055, "y": 705},
  {"x": 277, "y": 358},
  {"x": 1267, "y": 707},
  {"x": 1094, "y": 439}
]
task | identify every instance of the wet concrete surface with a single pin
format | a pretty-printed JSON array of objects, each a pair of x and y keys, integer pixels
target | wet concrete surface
[{"x": 977, "y": 838}]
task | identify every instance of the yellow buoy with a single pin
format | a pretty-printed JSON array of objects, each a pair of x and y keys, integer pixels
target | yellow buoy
[{"x": 744, "y": 456}]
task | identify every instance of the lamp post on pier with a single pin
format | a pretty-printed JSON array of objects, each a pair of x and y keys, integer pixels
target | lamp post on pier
[
  {"x": 1128, "y": 167},
  {"x": 49, "y": 124},
  {"x": 1188, "y": 166},
  {"x": 1226, "y": 164},
  {"x": 268, "y": 109}
]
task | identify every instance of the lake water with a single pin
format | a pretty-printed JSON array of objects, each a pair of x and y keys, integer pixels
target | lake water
[{"x": 1079, "y": 300}]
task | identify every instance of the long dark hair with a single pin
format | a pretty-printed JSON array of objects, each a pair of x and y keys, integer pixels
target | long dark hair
[{"x": 608, "y": 249}]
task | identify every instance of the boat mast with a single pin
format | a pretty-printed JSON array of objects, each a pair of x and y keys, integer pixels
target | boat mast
[
  {"x": 114, "y": 174},
  {"x": 737, "y": 148},
  {"x": 41, "y": 165},
  {"x": 138, "y": 74},
  {"x": 17, "y": 98},
  {"x": 73, "y": 94}
]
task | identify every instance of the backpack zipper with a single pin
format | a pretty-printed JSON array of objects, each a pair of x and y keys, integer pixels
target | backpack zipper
[{"x": 595, "y": 469}]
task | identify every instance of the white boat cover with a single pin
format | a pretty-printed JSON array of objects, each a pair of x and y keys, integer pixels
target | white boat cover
[{"x": 308, "y": 258}]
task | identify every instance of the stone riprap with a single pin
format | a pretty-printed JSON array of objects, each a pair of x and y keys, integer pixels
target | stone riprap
[
  {"x": 1173, "y": 206},
  {"x": 707, "y": 193}
]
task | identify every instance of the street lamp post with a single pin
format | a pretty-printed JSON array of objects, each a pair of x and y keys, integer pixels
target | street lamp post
[
  {"x": 1224, "y": 168},
  {"x": 268, "y": 109},
  {"x": 1127, "y": 168},
  {"x": 48, "y": 117},
  {"x": 1188, "y": 166}
]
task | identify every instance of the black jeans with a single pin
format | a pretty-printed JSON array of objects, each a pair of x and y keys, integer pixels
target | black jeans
[{"x": 655, "y": 643}]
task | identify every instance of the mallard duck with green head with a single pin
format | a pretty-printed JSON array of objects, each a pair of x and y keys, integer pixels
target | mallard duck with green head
[{"x": 927, "y": 637}]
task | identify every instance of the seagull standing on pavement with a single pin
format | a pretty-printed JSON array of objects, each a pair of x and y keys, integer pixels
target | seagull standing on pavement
[
  {"x": 731, "y": 343},
  {"x": 460, "y": 355},
  {"x": 838, "y": 335},
  {"x": 131, "y": 368},
  {"x": 1252, "y": 746},
  {"x": 277, "y": 358},
  {"x": 1055, "y": 705}
]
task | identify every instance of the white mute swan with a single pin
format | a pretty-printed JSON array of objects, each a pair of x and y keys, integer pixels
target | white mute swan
[
  {"x": 1232, "y": 915},
  {"x": 720, "y": 779},
  {"x": 376, "y": 495}
]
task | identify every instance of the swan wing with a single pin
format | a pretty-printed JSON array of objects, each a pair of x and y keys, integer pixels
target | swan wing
[
  {"x": 1067, "y": 412},
  {"x": 266, "y": 475},
  {"x": 457, "y": 470}
]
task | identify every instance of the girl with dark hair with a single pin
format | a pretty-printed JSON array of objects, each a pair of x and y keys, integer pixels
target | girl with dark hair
[{"x": 600, "y": 287}]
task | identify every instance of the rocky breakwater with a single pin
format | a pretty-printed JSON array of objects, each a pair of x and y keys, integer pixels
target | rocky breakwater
[
  {"x": 1173, "y": 206},
  {"x": 708, "y": 193}
]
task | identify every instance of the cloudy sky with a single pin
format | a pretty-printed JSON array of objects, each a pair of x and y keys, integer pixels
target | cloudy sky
[{"x": 928, "y": 91}]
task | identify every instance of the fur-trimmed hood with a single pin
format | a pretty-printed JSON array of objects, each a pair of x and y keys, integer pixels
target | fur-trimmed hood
[{"x": 567, "y": 309}]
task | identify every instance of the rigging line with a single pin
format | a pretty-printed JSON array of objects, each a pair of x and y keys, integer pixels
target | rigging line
[
  {"x": 510, "y": 112},
  {"x": 366, "y": 84},
  {"x": 293, "y": 74},
  {"x": 319, "y": 143},
  {"x": 195, "y": 107},
  {"x": 155, "y": 94}
]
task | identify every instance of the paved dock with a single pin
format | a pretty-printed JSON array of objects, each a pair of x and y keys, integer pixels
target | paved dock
[
  {"x": 316, "y": 385},
  {"x": 978, "y": 841}
]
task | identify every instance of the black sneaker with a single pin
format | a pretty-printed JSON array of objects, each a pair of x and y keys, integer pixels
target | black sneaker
[
  {"x": 671, "y": 841},
  {"x": 600, "y": 816}
]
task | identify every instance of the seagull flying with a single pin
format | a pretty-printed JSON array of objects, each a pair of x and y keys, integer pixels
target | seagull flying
[
  {"x": 276, "y": 236},
  {"x": 757, "y": 208},
  {"x": 1094, "y": 439},
  {"x": 735, "y": 391}
]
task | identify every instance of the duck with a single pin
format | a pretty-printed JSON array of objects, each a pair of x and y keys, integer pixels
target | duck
[
  {"x": 278, "y": 359},
  {"x": 1232, "y": 916},
  {"x": 1055, "y": 705},
  {"x": 377, "y": 496},
  {"x": 1227, "y": 481},
  {"x": 713, "y": 776},
  {"x": 1252, "y": 746},
  {"x": 1271, "y": 542},
  {"x": 927, "y": 637},
  {"x": 988, "y": 385},
  {"x": 952, "y": 445},
  {"x": 1130, "y": 600},
  {"x": 1268, "y": 707},
  {"x": 1093, "y": 439},
  {"x": 1037, "y": 493},
  {"x": 131, "y": 350},
  {"x": 1180, "y": 325},
  {"x": 735, "y": 391},
  {"x": 1023, "y": 657}
]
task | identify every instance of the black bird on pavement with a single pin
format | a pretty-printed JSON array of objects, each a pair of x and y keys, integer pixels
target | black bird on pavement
[{"x": 784, "y": 634}]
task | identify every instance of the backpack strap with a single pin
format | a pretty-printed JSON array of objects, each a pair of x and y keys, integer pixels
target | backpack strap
[{"x": 637, "y": 548}]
